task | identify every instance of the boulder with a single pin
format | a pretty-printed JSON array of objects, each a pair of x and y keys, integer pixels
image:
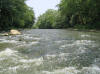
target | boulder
[
  {"x": 14, "y": 32},
  {"x": 4, "y": 34}
]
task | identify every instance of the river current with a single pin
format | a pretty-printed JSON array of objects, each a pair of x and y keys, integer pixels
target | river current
[{"x": 54, "y": 51}]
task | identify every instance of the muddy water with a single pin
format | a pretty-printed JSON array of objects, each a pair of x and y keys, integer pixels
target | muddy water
[{"x": 50, "y": 52}]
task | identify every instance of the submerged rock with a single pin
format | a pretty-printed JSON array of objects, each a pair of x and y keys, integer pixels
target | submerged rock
[
  {"x": 14, "y": 32},
  {"x": 5, "y": 34}
]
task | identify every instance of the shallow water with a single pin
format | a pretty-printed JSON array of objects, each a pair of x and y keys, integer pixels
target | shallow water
[{"x": 50, "y": 52}]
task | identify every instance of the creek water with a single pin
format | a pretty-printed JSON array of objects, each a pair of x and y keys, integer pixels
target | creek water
[{"x": 56, "y": 51}]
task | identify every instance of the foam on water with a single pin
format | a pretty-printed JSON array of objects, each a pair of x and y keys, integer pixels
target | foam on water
[
  {"x": 37, "y": 61},
  {"x": 64, "y": 54},
  {"x": 78, "y": 43},
  {"x": 2, "y": 59},
  {"x": 31, "y": 37},
  {"x": 17, "y": 61},
  {"x": 53, "y": 56},
  {"x": 7, "y": 52},
  {"x": 90, "y": 70},
  {"x": 83, "y": 42},
  {"x": 50, "y": 56},
  {"x": 60, "y": 41},
  {"x": 85, "y": 35},
  {"x": 74, "y": 57},
  {"x": 73, "y": 70},
  {"x": 14, "y": 68},
  {"x": 66, "y": 70},
  {"x": 35, "y": 42},
  {"x": 25, "y": 63},
  {"x": 8, "y": 41}
]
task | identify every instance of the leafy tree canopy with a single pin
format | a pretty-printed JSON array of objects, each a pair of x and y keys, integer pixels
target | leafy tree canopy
[
  {"x": 15, "y": 14},
  {"x": 81, "y": 12}
]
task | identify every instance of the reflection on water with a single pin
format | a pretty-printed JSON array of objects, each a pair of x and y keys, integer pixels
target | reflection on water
[{"x": 50, "y": 52}]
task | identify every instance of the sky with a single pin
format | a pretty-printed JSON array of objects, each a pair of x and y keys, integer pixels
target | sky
[{"x": 40, "y": 6}]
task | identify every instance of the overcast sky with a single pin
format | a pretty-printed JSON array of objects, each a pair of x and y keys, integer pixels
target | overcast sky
[{"x": 40, "y": 6}]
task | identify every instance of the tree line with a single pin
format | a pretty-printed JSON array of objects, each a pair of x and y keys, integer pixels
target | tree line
[
  {"x": 15, "y": 14},
  {"x": 83, "y": 14}
]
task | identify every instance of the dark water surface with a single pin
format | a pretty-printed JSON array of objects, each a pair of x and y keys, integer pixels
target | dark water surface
[{"x": 50, "y": 52}]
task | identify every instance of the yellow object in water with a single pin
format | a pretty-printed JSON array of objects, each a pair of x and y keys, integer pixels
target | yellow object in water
[{"x": 15, "y": 32}]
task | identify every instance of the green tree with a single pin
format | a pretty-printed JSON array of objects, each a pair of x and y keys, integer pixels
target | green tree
[
  {"x": 46, "y": 20},
  {"x": 51, "y": 19},
  {"x": 16, "y": 14},
  {"x": 60, "y": 22},
  {"x": 82, "y": 12}
]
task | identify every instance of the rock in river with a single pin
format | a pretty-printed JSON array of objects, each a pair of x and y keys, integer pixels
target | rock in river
[{"x": 14, "y": 32}]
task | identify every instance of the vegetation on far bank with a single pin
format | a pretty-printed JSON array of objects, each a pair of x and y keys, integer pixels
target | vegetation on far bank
[
  {"x": 15, "y": 14},
  {"x": 80, "y": 14}
]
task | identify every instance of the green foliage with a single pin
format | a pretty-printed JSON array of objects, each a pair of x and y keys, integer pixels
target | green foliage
[
  {"x": 51, "y": 19},
  {"x": 15, "y": 14},
  {"x": 81, "y": 12},
  {"x": 60, "y": 22},
  {"x": 71, "y": 13},
  {"x": 46, "y": 20}
]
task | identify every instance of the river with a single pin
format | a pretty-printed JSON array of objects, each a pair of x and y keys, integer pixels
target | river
[{"x": 55, "y": 51}]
